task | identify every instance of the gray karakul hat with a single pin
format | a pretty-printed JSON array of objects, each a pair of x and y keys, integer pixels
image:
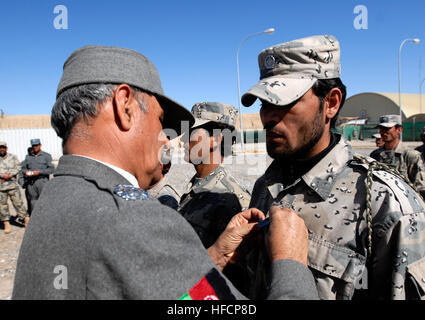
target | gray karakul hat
[
  {"x": 218, "y": 112},
  {"x": 100, "y": 64},
  {"x": 389, "y": 120},
  {"x": 290, "y": 69}
]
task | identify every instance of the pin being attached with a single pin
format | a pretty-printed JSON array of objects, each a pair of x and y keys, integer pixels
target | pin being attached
[{"x": 263, "y": 223}]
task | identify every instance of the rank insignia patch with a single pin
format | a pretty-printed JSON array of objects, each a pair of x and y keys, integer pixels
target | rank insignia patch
[{"x": 130, "y": 192}]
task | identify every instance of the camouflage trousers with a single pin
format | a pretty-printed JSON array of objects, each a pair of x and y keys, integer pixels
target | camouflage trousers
[{"x": 15, "y": 197}]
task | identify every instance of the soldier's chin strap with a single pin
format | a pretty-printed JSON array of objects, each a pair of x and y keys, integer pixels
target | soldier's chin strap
[{"x": 375, "y": 166}]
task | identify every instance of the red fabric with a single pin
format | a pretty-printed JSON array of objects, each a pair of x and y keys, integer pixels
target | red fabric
[{"x": 203, "y": 291}]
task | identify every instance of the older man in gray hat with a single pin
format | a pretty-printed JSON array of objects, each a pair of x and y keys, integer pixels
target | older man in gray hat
[
  {"x": 36, "y": 170},
  {"x": 212, "y": 196},
  {"x": 393, "y": 153},
  {"x": 366, "y": 225},
  {"x": 96, "y": 234}
]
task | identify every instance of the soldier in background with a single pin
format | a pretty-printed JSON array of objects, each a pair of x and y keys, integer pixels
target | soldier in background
[
  {"x": 36, "y": 169},
  {"x": 421, "y": 148},
  {"x": 212, "y": 196},
  {"x": 9, "y": 170},
  {"x": 366, "y": 225},
  {"x": 378, "y": 140},
  {"x": 408, "y": 162}
]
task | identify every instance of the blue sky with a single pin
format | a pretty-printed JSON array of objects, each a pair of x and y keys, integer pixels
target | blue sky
[{"x": 193, "y": 43}]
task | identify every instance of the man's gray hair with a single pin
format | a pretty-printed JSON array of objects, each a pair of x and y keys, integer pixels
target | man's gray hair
[{"x": 83, "y": 103}]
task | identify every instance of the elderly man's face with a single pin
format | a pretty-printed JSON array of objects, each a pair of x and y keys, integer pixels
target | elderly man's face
[{"x": 150, "y": 140}]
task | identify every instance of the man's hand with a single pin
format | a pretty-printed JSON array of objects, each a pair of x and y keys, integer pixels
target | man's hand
[
  {"x": 287, "y": 237},
  {"x": 238, "y": 229},
  {"x": 6, "y": 176},
  {"x": 30, "y": 173}
]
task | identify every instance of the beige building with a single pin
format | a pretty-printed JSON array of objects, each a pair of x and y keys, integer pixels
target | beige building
[
  {"x": 371, "y": 106},
  {"x": 25, "y": 122}
]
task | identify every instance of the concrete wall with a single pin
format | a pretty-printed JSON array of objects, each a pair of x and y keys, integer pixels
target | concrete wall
[{"x": 18, "y": 141}]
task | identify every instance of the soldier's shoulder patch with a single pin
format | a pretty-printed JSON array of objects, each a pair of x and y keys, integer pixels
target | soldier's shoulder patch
[
  {"x": 130, "y": 192},
  {"x": 212, "y": 286}
]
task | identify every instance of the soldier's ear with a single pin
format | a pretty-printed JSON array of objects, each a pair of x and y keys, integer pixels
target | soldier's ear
[
  {"x": 124, "y": 106},
  {"x": 332, "y": 103}
]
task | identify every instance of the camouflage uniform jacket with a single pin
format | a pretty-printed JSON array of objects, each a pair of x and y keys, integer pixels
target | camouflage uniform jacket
[
  {"x": 406, "y": 161},
  {"x": 331, "y": 198},
  {"x": 11, "y": 165},
  {"x": 421, "y": 149},
  {"x": 210, "y": 203}
]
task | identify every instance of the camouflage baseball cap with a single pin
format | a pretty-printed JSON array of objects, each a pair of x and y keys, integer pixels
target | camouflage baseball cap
[
  {"x": 205, "y": 112},
  {"x": 289, "y": 70},
  {"x": 389, "y": 120}
]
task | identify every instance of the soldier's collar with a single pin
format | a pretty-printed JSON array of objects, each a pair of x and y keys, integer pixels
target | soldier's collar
[
  {"x": 400, "y": 148},
  {"x": 199, "y": 185},
  {"x": 320, "y": 179}
]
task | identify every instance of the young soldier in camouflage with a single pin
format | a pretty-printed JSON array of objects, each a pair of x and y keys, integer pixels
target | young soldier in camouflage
[
  {"x": 9, "y": 169},
  {"x": 395, "y": 154},
  {"x": 366, "y": 225},
  {"x": 212, "y": 196}
]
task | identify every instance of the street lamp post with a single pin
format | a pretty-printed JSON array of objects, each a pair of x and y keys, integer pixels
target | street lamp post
[
  {"x": 268, "y": 31},
  {"x": 415, "y": 41},
  {"x": 420, "y": 94}
]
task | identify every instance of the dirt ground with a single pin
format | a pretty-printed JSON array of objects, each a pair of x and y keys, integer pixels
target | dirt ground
[
  {"x": 9, "y": 250},
  {"x": 245, "y": 168}
]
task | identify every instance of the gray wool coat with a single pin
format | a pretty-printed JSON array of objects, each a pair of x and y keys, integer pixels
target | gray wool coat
[{"x": 86, "y": 242}]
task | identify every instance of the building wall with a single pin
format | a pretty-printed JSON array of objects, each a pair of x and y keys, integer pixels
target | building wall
[
  {"x": 18, "y": 141},
  {"x": 411, "y": 103}
]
